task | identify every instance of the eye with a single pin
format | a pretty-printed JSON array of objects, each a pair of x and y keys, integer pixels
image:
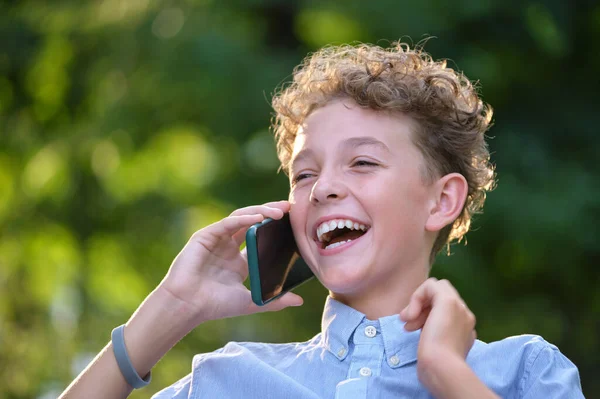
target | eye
[
  {"x": 301, "y": 176},
  {"x": 363, "y": 163}
]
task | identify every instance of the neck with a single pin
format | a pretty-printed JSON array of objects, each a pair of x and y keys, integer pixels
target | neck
[{"x": 389, "y": 295}]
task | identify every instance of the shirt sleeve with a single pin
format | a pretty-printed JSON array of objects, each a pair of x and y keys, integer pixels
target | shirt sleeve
[
  {"x": 179, "y": 390},
  {"x": 549, "y": 374},
  {"x": 183, "y": 388}
]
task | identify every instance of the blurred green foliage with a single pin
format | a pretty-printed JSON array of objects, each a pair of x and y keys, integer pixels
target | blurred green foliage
[{"x": 127, "y": 125}]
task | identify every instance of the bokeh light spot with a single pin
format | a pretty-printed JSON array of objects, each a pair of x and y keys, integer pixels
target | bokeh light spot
[
  {"x": 47, "y": 173},
  {"x": 321, "y": 27},
  {"x": 168, "y": 23},
  {"x": 260, "y": 153}
]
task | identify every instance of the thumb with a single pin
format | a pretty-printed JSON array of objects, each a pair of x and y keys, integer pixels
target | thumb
[{"x": 286, "y": 300}]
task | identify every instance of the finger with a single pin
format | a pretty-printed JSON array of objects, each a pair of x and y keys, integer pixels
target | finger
[
  {"x": 286, "y": 300},
  {"x": 268, "y": 212},
  {"x": 449, "y": 288},
  {"x": 232, "y": 224},
  {"x": 419, "y": 322},
  {"x": 239, "y": 237},
  {"x": 421, "y": 298},
  {"x": 284, "y": 205},
  {"x": 244, "y": 253},
  {"x": 273, "y": 210}
]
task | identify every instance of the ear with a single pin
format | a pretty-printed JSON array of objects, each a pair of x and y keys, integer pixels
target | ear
[{"x": 448, "y": 199}]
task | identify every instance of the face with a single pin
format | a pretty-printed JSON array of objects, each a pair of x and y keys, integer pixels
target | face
[{"x": 359, "y": 202}]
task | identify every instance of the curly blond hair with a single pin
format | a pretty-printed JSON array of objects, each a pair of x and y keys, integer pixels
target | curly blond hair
[{"x": 451, "y": 118}]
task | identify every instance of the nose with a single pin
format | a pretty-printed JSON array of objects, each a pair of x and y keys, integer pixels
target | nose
[{"x": 327, "y": 189}]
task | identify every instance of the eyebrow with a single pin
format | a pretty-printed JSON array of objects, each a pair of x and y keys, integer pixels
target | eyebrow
[
  {"x": 352, "y": 142},
  {"x": 355, "y": 142},
  {"x": 302, "y": 155}
]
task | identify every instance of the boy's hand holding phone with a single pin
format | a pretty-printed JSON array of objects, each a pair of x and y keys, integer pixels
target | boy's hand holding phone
[{"x": 208, "y": 274}]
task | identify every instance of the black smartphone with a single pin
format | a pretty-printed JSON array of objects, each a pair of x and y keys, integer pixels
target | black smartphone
[{"x": 274, "y": 262}]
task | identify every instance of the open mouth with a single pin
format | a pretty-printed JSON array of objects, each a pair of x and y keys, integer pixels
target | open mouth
[{"x": 333, "y": 233}]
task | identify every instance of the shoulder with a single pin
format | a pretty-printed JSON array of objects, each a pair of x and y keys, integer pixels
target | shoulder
[
  {"x": 529, "y": 365},
  {"x": 255, "y": 352},
  {"x": 510, "y": 348},
  {"x": 214, "y": 369}
]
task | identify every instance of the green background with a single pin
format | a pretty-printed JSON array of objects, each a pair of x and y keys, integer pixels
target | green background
[{"x": 127, "y": 125}]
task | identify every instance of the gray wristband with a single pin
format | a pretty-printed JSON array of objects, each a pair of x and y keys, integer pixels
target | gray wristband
[{"x": 127, "y": 369}]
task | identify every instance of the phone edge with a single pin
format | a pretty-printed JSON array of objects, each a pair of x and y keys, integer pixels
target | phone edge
[{"x": 253, "y": 272}]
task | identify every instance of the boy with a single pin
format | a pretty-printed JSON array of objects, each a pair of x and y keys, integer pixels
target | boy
[{"x": 387, "y": 162}]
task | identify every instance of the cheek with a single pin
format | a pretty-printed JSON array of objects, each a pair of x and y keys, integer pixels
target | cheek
[
  {"x": 298, "y": 220},
  {"x": 296, "y": 196},
  {"x": 299, "y": 201},
  {"x": 302, "y": 242},
  {"x": 295, "y": 222},
  {"x": 298, "y": 214},
  {"x": 403, "y": 208}
]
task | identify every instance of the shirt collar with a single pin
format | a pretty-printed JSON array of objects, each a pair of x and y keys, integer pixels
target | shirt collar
[{"x": 340, "y": 321}]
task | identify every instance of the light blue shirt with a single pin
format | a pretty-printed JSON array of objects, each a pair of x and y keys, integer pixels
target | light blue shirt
[{"x": 354, "y": 357}]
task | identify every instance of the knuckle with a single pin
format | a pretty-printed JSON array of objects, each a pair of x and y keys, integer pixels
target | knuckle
[
  {"x": 196, "y": 235},
  {"x": 445, "y": 283},
  {"x": 428, "y": 284},
  {"x": 240, "y": 211},
  {"x": 456, "y": 302},
  {"x": 471, "y": 319}
]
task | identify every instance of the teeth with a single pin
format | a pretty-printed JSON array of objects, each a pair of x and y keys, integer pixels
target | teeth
[
  {"x": 331, "y": 225},
  {"x": 337, "y": 244}
]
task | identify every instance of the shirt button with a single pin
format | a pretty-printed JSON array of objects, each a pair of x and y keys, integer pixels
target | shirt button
[
  {"x": 365, "y": 372},
  {"x": 342, "y": 352},
  {"x": 370, "y": 331},
  {"x": 394, "y": 360}
]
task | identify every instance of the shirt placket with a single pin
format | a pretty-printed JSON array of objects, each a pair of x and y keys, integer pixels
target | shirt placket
[{"x": 365, "y": 362}]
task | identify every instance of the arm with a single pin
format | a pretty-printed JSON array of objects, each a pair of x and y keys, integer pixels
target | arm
[
  {"x": 447, "y": 336},
  {"x": 162, "y": 315},
  {"x": 205, "y": 282}
]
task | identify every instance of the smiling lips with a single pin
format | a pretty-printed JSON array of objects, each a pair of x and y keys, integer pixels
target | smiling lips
[{"x": 336, "y": 232}]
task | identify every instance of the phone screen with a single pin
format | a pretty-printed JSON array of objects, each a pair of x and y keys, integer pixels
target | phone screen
[{"x": 279, "y": 263}]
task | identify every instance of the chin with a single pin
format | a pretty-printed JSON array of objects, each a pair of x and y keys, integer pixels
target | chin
[{"x": 344, "y": 280}]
